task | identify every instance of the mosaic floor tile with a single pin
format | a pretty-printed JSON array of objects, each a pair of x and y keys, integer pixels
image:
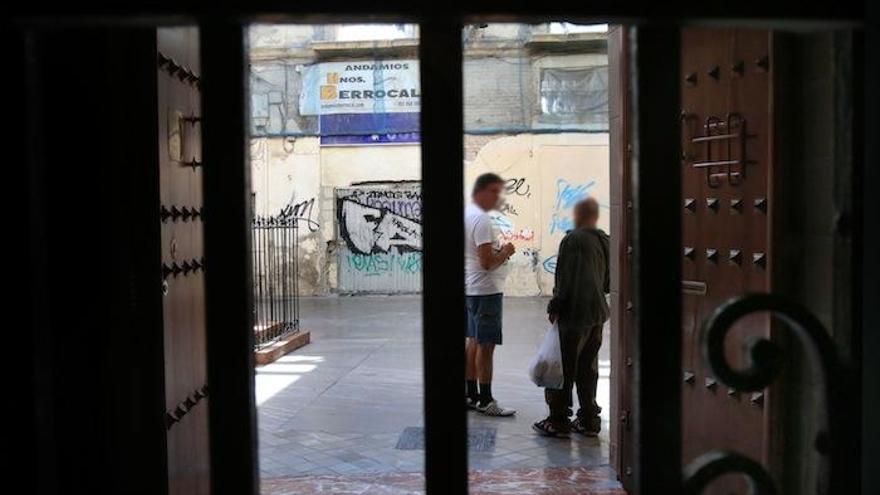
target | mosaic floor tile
[
  {"x": 480, "y": 439},
  {"x": 525, "y": 481}
]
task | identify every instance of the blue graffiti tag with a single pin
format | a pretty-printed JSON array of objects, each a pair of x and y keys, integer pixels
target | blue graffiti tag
[
  {"x": 550, "y": 264},
  {"x": 567, "y": 194},
  {"x": 503, "y": 223},
  {"x": 383, "y": 263}
]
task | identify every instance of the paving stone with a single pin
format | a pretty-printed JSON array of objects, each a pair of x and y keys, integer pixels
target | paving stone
[{"x": 355, "y": 390}]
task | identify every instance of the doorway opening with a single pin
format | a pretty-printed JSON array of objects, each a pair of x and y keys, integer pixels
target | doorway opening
[
  {"x": 533, "y": 115},
  {"x": 536, "y": 114},
  {"x": 335, "y": 154},
  {"x": 335, "y": 158}
]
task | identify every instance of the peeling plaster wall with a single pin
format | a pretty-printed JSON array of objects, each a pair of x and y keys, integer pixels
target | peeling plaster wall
[
  {"x": 298, "y": 176},
  {"x": 510, "y": 133},
  {"x": 546, "y": 174},
  {"x": 286, "y": 178}
]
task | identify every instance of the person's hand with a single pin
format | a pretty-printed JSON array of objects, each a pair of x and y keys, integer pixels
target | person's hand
[
  {"x": 552, "y": 317},
  {"x": 508, "y": 249}
]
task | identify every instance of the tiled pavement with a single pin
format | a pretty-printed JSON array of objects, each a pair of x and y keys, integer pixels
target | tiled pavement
[
  {"x": 339, "y": 405},
  {"x": 523, "y": 481}
]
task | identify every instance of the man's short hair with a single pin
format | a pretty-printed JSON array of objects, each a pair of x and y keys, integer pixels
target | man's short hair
[
  {"x": 486, "y": 180},
  {"x": 587, "y": 207}
]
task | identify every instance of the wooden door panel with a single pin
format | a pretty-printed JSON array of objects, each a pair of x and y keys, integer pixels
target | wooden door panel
[
  {"x": 179, "y": 104},
  {"x": 726, "y": 168}
]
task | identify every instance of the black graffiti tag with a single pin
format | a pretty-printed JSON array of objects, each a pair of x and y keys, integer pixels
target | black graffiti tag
[
  {"x": 517, "y": 186},
  {"x": 302, "y": 211},
  {"x": 368, "y": 230}
]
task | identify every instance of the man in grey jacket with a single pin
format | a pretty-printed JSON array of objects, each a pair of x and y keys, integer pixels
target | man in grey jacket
[{"x": 580, "y": 309}]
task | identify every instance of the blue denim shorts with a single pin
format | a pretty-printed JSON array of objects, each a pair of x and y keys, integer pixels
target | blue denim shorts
[{"x": 483, "y": 318}]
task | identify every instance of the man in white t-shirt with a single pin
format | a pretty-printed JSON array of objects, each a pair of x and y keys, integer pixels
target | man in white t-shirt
[{"x": 484, "y": 257}]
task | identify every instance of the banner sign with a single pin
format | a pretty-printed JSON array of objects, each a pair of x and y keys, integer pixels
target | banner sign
[
  {"x": 363, "y": 139},
  {"x": 380, "y": 86},
  {"x": 368, "y": 123}
]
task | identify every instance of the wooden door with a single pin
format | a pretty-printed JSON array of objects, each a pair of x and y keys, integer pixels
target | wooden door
[
  {"x": 180, "y": 192},
  {"x": 727, "y": 176}
]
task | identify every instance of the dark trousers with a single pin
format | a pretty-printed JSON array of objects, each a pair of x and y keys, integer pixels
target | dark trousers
[{"x": 580, "y": 366}]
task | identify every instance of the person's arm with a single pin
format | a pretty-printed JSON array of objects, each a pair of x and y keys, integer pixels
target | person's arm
[
  {"x": 567, "y": 270},
  {"x": 490, "y": 259},
  {"x": 562, "y": 285}
]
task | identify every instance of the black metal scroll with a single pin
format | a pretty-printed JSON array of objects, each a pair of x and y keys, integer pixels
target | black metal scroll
[
  {"x": 710, "y": 466},
  {"x": 763, "y": 362}
]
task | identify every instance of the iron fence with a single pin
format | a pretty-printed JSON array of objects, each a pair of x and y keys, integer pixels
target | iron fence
[{"x": 275, "y": 245}]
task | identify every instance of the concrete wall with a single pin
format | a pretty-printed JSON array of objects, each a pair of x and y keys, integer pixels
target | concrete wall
[{"x": 546, "y": 174}]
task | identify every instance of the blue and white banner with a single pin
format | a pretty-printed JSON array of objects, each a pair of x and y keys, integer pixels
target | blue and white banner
[
  {"x": 368, "y": 123},
  {"x": 362, "y": 139},
  {"x": 380, "y": 86}
]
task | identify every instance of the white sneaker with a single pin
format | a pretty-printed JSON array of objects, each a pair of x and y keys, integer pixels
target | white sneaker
[{"x": 493, "y": 409}]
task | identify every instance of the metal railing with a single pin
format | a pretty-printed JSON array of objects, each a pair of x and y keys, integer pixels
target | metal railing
[{"x": 275, "y": 246}]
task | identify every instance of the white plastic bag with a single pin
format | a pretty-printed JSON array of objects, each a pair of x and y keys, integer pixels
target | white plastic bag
[{"x": 545, "y": 369}]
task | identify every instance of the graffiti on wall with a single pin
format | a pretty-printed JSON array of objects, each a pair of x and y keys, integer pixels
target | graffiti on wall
[
  {"x": 381, "y": 221},
  {"x": 369, "y": 230},
  {"x": 517, "y": 186},
  {"x": 549, "y": 264},
  {"x": 567, "y": 194},
  {"x": 524, "y": 234},
  {"x": 382, "y": 263},
  {"x": 404, "y": 202},
  {"x": 302, "y": 211},
  {"x": 514, "y": 187},
  {"x": 507, "y": 231},
  {"x": 380, "y": 227}
]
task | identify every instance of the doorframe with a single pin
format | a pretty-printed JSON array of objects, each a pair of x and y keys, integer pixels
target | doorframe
[
  {"x": 620, "y": 449},
  {"x": 654, "y": 279},
  {"x": 442, "y": 131},
  {"x": 232, "y": 431},
  {"x": 656, "y": 262},
  {"x": 228, "y": 283}
]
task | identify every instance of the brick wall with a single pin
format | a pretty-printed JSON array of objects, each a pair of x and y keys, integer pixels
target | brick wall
[{"x": 499, "y": 92}]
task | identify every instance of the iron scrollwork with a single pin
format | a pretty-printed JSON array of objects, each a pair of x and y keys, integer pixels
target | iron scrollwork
[
  {"x": 763, "y": 361},
  {"x": 710, "y": 466}
]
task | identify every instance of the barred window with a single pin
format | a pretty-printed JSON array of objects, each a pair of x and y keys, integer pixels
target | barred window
[{"x": 577, "y": 97}]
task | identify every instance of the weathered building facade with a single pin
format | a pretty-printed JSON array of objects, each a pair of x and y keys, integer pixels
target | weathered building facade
[{"x": 535, "y": 113}]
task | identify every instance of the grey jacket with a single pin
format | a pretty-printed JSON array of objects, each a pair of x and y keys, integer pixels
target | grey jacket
[{"x": 582, "y": 279}]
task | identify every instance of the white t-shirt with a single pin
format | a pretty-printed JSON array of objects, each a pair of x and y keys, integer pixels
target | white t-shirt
[{"x": 479, "y": 229}]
